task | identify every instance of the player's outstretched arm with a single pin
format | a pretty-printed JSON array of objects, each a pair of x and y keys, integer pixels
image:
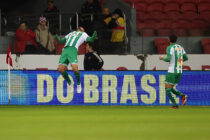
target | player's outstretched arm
[
  {"x": 185, "y": 57},
  {"x": 60, "y": 41},
  {"x": 92, "y": 38}
]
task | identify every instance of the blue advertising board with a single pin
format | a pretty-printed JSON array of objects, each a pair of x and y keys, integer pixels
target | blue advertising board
[{"x": 102, "y": 88}]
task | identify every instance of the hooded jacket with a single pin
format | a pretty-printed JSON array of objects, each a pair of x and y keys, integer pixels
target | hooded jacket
[{"x": 44, "y": 37}]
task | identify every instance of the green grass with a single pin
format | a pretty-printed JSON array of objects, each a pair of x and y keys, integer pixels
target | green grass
[{"x": 104, "y": 123}]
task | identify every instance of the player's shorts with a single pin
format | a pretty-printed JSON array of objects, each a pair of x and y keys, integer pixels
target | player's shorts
[
  {"x": 173, "y": 78},
  {"x": 68, "y": 55}
]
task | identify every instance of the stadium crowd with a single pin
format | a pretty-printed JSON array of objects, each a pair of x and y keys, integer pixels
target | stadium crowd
[{"x": 109, "y": 25}]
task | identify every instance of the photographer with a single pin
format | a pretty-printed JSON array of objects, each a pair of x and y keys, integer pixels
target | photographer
[{"x": 92, "y": 60}]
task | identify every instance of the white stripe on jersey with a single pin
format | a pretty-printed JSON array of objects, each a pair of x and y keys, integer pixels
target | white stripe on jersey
[
  {"x": 75, "y": 36},
  {"x": 176, "y": 62}
]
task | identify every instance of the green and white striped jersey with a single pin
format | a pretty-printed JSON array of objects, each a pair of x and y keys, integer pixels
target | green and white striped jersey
[
  {"x": 75, "y": 39},
  {"x": 175, "y": 52}
]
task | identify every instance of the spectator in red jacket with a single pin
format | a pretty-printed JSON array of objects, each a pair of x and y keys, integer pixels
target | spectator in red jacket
[{"x": 25, "y": 40}]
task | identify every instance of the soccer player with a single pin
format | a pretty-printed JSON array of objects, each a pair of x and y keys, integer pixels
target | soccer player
[
  {"x": 175, "y": 56},
  {"x": 69, "y": 54}
]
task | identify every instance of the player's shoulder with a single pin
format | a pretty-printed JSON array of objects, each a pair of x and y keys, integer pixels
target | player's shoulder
[
  {"x": 170, "y": 46},
  {"x": 177, "y": 45},
  {"x": 70, "y": 33},
  {"x": 180, "y": 46},
  {"x": 84, "y": 34}
]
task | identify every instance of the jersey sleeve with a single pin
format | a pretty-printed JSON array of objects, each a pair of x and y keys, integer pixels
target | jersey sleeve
[
  {"x": 169, "y": 53},
  {"x": 66, "y": 37},
  {"x": 60, "y": 41},
  {"x": 92, "y": 38},
  {"x": 185, "y": 57},
  {"x": 184, "y": 51},
  {"x": 85, "y": 36},
  {"x": 121, "y": 21},
  {"x": 107, "y": 20}
]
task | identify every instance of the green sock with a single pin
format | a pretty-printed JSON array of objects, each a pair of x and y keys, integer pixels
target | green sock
[
  {"x": 169, "y": 91},
  {"x": 66, "y": 77},
  {"x": 77, "y": 75},
  {"x": 176, "y": 92}
]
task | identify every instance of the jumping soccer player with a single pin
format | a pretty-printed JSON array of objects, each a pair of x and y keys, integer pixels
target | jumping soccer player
[
  {"x": 69, "y": 54},
  {"x": 175, "y": 55}
]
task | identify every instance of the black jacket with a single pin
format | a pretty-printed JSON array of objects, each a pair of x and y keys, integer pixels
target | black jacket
[
  {"x": 92, "y": 8},
  {"x": 54, "y": 10},
  {"x": 93, "y": 61}
]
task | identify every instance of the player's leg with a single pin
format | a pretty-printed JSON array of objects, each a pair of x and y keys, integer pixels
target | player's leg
[
  {"x": 62, "y": 67},
  {"x": 169, "y": 93},
  {"x": 183, "y": 96},
  {"x": 74, "y": 64},
  {"x": 178, "y": 93},
  {"x": 177, "y": 79},
  {"x": 169, "y": 86},
  {"x": 77, "y": 75}
]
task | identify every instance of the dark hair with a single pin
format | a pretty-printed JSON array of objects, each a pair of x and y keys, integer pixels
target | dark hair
[
  {"x": 119, "y": 12},
  {"x": 23, "y": 21},
  {"x": 96, "y": 2},
  {"x": 173, "y": 38},
  {"x": 51, "y": 1},
  {"x": 91, "y": 44}
]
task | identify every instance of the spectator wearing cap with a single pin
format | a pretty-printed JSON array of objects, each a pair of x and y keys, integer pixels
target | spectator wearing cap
[
  {"x": 52, "y": 14},
  {"x": 92, "y": 60},
  {"x": 43, "y": 37},
  {"x": 117, "y": 24},
  {"x": 25, "y": 40}
]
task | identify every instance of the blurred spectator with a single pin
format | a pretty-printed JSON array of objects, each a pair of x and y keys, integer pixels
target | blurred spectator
[
  {"x": 25, "y": 40},
  {"x": 91, "y": 7},
  {"x": 101, "y": 20},
  {"x": 52, "y": 14},
  {"x": 117, "y": 24},
  {"x": 106, "y": 15},
  {"x": 105, "y": 31},
  {"x": 51, "y": 7},
  {"x": 43, "y": 37},
  {"x": 92, "y": 60},
  {"x": 3, "y": 23},
  {"x": 89, "y": 11}
]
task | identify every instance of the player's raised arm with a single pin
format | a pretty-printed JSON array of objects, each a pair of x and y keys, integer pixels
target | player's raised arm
[
  {"x": 60, "y": 41},
  {"x": 92, "y": 38}
]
